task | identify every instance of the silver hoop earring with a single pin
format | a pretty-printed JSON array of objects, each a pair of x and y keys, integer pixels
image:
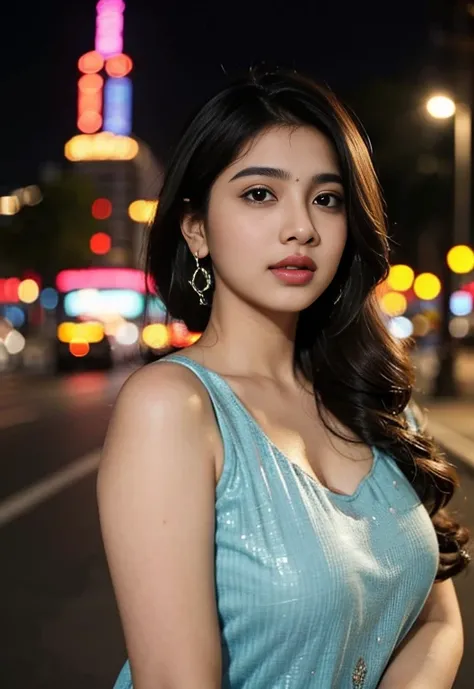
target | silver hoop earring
[{"x": 207, "y": 277}]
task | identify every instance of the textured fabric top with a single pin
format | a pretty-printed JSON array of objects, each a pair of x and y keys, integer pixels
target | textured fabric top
[{"x": 315, "y": 589}]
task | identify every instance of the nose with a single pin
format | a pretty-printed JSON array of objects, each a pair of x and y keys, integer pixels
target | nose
[{"x": 299, "y": 227}]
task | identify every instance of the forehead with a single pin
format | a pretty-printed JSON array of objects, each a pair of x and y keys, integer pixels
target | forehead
[{"x": 296, "y": 149}]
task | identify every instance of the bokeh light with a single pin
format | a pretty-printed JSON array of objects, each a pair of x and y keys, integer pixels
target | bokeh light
[
  {"x": 142, "y": 210},
  {"x": 461, "y": 259},
  {"x": 14, "y": 342},
  {"x": 89, "y": 331},
  {"x": 9, "y": 290},
  {"x": 100, "y": 243},
  {"x": 91, "y": 62},
  {"x": 421, "y": 325},
  {"x": 400, "y": 327},
  {"x": 15, "y": 315},
  {"x": 101, "y": 146},
  {"x": 90, "y": 83},
  {"x": 49, "y": 298},
  {"x": 9, "y": 205},
  {"x": 393, "y": 304},
  {"x": 156, "y": 336},
  {"x": 127, "y": 334},
  {"x": 79, "y": 348},
  {"x": 32, "y": 195},
  {"x": 89, "y": 122},
  {"x": 441, "y": 107},
  {"x": 459, "y": 327},
  {"x": 400, "y": 277},
  {"x": 118, "y": 65},
  {"x": 460, "y": 303},
  {"x": 427, "y": 286},
  {"x": 28, "y": 291},
  {"x": 101, "y": 209}
]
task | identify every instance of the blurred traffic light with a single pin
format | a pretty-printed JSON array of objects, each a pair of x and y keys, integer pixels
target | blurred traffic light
[{"x": 100, "y": 243}]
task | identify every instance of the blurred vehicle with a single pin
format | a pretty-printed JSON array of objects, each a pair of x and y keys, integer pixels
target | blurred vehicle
[{"x": 99, "y": 317}]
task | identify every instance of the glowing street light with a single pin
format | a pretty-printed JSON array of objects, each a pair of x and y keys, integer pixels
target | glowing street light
[
  {"x": 400, "y": 277},
  {"x": 461, "y": 259},
  {"x": 441, "y": 107}
]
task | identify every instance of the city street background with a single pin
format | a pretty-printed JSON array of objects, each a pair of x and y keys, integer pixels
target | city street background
[{"x": 94, "y": 97}]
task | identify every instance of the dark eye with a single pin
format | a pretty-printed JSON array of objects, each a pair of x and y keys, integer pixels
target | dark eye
[
  {"x": 257, "y": 195},
  {"x": 328, "y": 200}
]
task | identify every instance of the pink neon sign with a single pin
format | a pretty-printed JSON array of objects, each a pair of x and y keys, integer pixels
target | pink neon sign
[
  {"x": 101, "y": 278},
  {"x": 109, "y": 27}
]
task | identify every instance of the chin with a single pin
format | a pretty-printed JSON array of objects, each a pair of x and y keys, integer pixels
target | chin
[{"x": 291, "y": 304}]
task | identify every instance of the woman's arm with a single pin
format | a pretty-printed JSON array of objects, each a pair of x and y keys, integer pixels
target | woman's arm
[
  {"x": 430, "y": 655},
  {"x": 156, "y": 494}
]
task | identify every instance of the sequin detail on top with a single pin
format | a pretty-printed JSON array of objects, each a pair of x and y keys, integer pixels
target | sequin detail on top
[
  {"x": 309, "y": 583},
  {"x": 359, "y": 674}
]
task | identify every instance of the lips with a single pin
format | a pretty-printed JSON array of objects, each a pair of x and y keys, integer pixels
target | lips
[{"x": 296, "y": 261}]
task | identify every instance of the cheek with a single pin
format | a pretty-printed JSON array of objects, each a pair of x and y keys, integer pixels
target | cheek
[{"x": 236, "y": 236}]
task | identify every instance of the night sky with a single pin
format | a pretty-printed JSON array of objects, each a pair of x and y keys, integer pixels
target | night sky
[{"x": 182, "y": 53}]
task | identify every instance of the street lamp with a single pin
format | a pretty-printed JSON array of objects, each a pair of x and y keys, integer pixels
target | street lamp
[{"x": 441, "y": 106}]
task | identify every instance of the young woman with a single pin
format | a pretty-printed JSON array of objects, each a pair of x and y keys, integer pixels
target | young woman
[{"x": 273, "y": 515}]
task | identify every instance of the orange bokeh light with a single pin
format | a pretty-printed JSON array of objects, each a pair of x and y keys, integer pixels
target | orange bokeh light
[
  {"x": 90, "y": 83},
  {"x": 89, "y": 103},
  {"x": 89, "y": 122},
  {"x": 118, "y": 65},
  {"x": 91, "y": 62},
  {"x": 100, "y": 243},
  {"x": 79, "y": 348}
]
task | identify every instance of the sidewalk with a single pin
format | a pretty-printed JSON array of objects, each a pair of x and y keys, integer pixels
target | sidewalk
[{"x": 450, "y": 421}]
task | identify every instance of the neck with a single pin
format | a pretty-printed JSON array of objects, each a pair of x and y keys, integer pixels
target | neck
[{"x": 241, "y": 340}]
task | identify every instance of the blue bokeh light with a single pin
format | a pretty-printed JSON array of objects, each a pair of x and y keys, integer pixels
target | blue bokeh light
[
  {"x": 49, "y": 298},
  {"x": 15, "y": 315}
]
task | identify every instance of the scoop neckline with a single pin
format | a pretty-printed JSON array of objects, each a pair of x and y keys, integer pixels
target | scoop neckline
[{"x": 287, "y": 462}]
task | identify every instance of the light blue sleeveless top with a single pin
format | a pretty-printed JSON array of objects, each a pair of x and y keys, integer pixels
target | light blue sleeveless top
[{"x": 314, "y": 589}]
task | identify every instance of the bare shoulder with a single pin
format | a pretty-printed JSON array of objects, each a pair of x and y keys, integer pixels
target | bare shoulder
[
  {"x": 163, "y": 399},
  {"x": 165, "y": 388}
]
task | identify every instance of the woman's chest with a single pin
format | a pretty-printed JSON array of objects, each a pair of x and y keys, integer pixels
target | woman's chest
[
  {"x": 293, "y": 424},
  {"x": 292, "y": 547}
]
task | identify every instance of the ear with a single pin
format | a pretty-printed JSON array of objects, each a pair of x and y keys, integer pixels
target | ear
[{"x": 194, "y": 232}]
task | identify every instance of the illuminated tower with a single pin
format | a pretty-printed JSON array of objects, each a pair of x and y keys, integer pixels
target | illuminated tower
[{"x": 121, "y": 167}]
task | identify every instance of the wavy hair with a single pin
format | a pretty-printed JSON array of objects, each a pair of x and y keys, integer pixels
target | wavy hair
[{"x": 359, "y": 372}]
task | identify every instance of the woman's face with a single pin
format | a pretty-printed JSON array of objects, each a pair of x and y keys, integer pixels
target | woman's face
[{"x": 283, "y": 198}]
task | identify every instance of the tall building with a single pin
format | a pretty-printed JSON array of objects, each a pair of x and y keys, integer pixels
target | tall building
[{"x": 121, "y": 167}]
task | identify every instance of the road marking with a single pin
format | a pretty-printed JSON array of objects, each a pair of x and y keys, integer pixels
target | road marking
[
  {"x": 453, "y": 441},
  {"x": 15, "y": 416},
  {"x": 29, "y": 498}
]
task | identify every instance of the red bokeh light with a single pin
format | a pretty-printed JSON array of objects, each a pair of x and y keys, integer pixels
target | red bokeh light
[
  {"x": 100, "y": 243},
  {"x": 118, "y": 65},
  {"x": 101, "y": 209},
  {"x": 89, "y": 122},
  {"x": 90, "y": 62},
  {"x": 9, "y": 290},
  {"x": 33, "y": 275}
]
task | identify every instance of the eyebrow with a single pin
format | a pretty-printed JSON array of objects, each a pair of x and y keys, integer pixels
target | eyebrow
[{"x": 278, "y": 173}]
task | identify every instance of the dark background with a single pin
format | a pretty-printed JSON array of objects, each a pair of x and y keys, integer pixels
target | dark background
[{"x": 182, "y": 52}]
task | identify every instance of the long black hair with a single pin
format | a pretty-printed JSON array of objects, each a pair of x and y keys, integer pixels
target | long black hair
[{"x": 360, "y": 373}]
